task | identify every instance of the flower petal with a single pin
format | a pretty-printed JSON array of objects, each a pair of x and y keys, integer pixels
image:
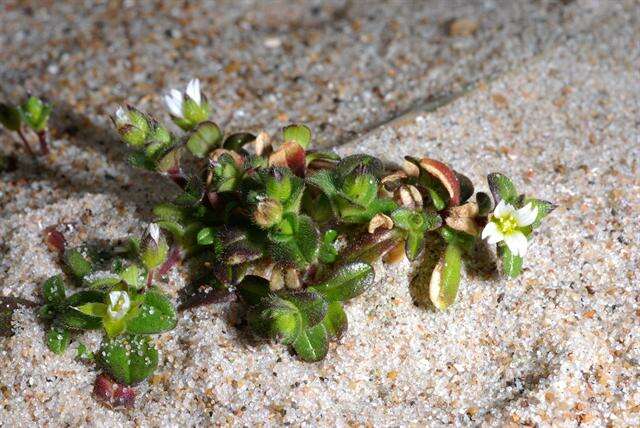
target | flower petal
[
  {"x": 492, "y": 233},
  {"x": 193, "y": 90},
  {"x": 517, "y": 243},
  {"x": 174, "y": 102},
  {"x": 122, "y": 118},
  {"x": 526, "y": 215},
  {"x": 503, "y": 209}
]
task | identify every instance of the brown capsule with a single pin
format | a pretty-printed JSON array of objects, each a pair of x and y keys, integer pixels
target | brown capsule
[
  {"x": 262, "y": 143},
  {"x": 408, "y": 196},
  {"x": 395, "y": 255},
  {"x": 463, "y": 218},
  {"x": 276, "y": 282},
  {"x": 291, "y": 279},
  {"x": 380, "y": 220}
]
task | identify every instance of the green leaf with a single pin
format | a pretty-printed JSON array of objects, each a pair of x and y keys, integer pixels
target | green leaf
[
  {"x": 445, "y": 278},
  {"x": 295, "y": 240},
  {"x": 10, "y": 117},
  {"x": 77, "y": 263},
  {"x": 335, "y": 321},
  {"x": 101, "y": 280},
  {"x": 414, "y": 244},
  {"x": 360, "y": 164},
  {"x": 346, "y": 282},
  {"x": 328, "y": 252},
  {"x": 324, "y": 181},
  {"x": 301, "y": 134},
  {"x": 312, "y": 344},
  {"x": 253, "y": 290},
  {"x": 502, "y": 188},
  {"x": 457, "y": 237},
  {"x": 83, "y": 353},
  {"x": 54, "y": 291},
  {"x": 58, "y": 339},
  {"x": 95, "y": 309},
  {"x": 76, "y": 320},
  {"x": 237, "y": 141},
  {"x": 171, "y": 212},
  {"x": 206, "y": 236},
  {"x": 129, "y": 359},
  {"x": 544, "y": 209},
  {"x": 511, "y": 264},
  {"x": 206, "y": 137},
  {"x": 484, "y": 203},
  {"x": 114, "y": 327},
  {"x": 310, "y": 305},
  {"x": 133, "y": 276},
  {"x": 155, "y": 315}
]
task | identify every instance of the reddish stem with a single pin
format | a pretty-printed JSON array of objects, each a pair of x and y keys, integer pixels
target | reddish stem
[
  {"x": 25, "y": 142},
  {"x": 174, "y": 257},
  {"x": 44, "y": 147}
]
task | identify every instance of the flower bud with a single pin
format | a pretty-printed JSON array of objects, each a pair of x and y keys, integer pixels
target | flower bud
[
  {"x": 153, "y": 248},
  {"x": 132, "y": 125},
  {"x": 268, "y": 213},
  {"x": 35, "y": 113}
]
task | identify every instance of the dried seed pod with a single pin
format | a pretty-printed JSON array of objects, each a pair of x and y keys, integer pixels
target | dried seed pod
[
  {"x": 215, "y": 155},
  {"x": 396, "y": 254},
  {"x": 463, "y": 217},
  {"x": 408, "y": 196},
  {"x": 411, "y": 169},
  {"x": 289, "y": 155},
  {"x": 291, "y": 279},
  {"x": 262, "y": 144},
  {"x": 276, "y": 282},
  {"x": 380, "y": 220},
  {"x": 393, "y": 177}
]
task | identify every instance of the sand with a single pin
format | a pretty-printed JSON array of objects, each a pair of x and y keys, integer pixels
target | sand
[{"x": 558, "y": 346}]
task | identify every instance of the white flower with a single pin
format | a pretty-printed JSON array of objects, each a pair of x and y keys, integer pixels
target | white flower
[
  {"x": 154, "y": 232},
  {"x": 122, "y": 117},
  {"x": 193, "y": 90},
  {"x": 506, "y": 224},
  {"x": 175, "y": 99},
  {"x": 119, "y": 304}
]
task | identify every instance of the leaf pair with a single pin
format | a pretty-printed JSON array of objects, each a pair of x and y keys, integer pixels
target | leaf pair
[{"x": 305, "y": 320}]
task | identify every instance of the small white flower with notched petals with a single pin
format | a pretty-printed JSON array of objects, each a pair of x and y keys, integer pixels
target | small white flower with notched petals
[
  {"x": 506, "y": 224},
  {"x": 174, "y": 101},
  {"x": 119, "y": 304}
]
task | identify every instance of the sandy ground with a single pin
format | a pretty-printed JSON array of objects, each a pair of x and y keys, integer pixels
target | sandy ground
[{"x": 558, "y": 346}]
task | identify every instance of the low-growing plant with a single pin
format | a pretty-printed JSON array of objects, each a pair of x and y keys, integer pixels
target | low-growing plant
[
  {"x": 292, "y": 231},
  {"x": 288, "y": 231},
  {"x": 112, "y": 291},
  {"x": 34, "y": 113}
]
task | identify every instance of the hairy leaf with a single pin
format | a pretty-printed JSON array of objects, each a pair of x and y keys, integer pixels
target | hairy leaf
[
  {"x": 129, "y": 359},
  {"x": 347, "y": 282}
]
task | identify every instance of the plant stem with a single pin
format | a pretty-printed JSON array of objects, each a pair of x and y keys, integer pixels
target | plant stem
[
  {"x": 25, "y": 142},
  {"x": 44, "y": 147}
]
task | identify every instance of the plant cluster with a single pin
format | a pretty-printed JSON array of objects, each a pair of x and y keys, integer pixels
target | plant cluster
[
  {"x": 34, "y": 113},
  {"x": 288, "y": 231},
  {"x": 292, "y": 231},
  {"x": 113, "y": 291}
]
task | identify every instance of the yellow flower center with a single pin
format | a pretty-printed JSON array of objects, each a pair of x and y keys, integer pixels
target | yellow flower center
[{"x": 507, "y": 224}]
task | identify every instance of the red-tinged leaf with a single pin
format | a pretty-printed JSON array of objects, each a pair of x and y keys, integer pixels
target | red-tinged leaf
[
  {"x": 445, "y": 175},
  {"x": 112, "y": 393},
  {"x": 290, "y": 155},
  {"x": 54, "y": 239}
]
